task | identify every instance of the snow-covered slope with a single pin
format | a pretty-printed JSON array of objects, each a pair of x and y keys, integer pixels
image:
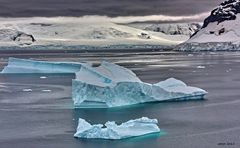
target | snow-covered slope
[
  {"x": 184, "y": 29},
  {"x": 77, "y": 31},
  {"x": 220, "y": 30}
]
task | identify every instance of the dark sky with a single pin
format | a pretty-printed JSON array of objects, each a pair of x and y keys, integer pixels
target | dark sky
[{"x": 27, "y": 8}]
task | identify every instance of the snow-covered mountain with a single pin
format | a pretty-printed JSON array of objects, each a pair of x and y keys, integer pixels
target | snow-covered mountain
[
  {"x": 185, "y": 29},
  {"x": 220, "y": 30},
  {"x": 80, "y": 32}
]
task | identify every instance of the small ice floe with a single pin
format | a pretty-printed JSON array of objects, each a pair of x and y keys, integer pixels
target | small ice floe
[
  {"x": 43, "y": 77},
  {"x": 110, "y": 130},
  {"x": 46, "y": 90},
  {"x": 3, "y": 86},
  {"x": 229, "y": 70},
  {"x": 201, "y": 67},
  {"x": 27, "y": 90}
]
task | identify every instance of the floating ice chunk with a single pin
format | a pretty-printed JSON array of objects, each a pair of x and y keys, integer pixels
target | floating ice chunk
[
  {"x": 110, "y": 85},
  {"x": 200, "y": 67},
  {"x": 16, "y": 65},
  {"x": 46, "y": 90},
  {"x": 132, "y": 128},
  {"x": 27, "y": 90}
]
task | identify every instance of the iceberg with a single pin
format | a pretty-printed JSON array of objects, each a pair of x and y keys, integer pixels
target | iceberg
[
  {"x": 110, "y": 130},
  {"x": 108, "y": 85},
  {"x": 16, "y": 65}
]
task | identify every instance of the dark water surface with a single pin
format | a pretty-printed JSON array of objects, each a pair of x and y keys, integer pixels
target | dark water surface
[{"x": 36, "y": 110}]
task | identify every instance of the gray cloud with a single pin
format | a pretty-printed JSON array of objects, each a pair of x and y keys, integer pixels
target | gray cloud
[{"x": 113, "y": 8}]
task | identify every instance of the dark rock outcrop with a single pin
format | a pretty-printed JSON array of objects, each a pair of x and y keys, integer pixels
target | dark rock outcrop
[
  {"x": 227, "y": 10},
  {"x": 18, "y": 37},
  {"x": 23, "y": 38}
]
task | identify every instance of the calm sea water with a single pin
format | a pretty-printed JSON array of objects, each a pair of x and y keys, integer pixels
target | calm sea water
[{"x": 36, "y": 110}]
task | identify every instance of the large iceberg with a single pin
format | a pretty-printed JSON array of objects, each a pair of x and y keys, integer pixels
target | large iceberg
[
  {"x": 108, "y": 85},
  {"x": 132, "y": 128}
]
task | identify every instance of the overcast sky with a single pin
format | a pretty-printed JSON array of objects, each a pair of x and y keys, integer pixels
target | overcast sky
[{"x": 112, "y": 8}]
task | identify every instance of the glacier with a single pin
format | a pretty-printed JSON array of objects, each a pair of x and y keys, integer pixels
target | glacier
[
  {"x": 81, "y": 33},
  {"x": 108, "y": 85},
  {"x": 110, "y": 130}
]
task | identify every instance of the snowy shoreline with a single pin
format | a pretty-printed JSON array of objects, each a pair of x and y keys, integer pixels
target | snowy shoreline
[
  {"x": 85, "y": 47},
  {"x": 209, "y": 46}
]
